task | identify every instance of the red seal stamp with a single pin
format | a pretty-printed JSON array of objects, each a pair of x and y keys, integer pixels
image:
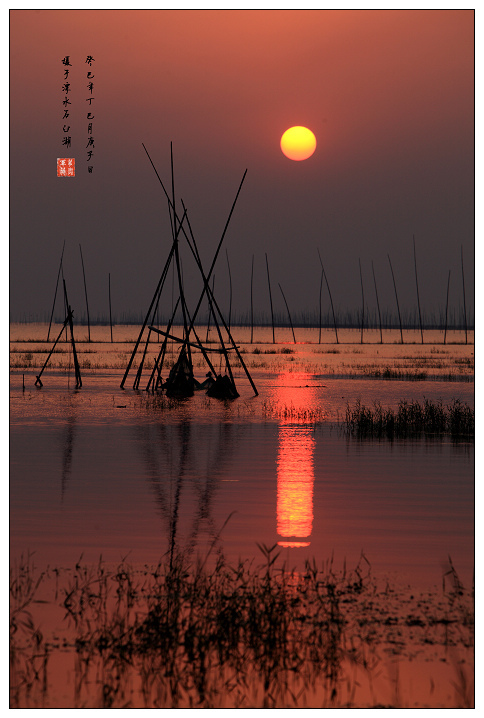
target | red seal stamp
[{"x": 66, "y": 167}]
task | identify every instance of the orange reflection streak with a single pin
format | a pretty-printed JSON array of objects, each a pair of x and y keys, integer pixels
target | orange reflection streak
[
  {"x": 295, "y": 462},
  {"x": 295, "y": 479}
]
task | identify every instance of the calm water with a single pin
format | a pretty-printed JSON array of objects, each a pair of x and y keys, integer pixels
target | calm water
[
  {"x": 111, "y": 472},
  {"x": 123, "y": 474}
]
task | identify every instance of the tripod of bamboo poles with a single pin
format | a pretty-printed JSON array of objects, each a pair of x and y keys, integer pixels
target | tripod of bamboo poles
[
  {"x": 184, "y": 364},
  {"x": 67, "y": 321}
]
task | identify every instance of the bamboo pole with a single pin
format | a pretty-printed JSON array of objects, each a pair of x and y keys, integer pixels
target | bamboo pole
[
  {"x": 37, "y": 380},
  {"x": 157, "y": 290},
  {"x": 252, "y": 303},
  {"x": 377, "y": 302},
  {"x": 447, "y": 306},
  {"x": 463, "y": 288},
  {"x": 320, "y": 304},
  {"x": 330, "y": 297},
  {"x": 85, "y": 292},
  {"x": 206, "y": 279},
  {"x": 270, "y": 298},
  {"x": 210, "y": 310},
  {"x": 74, "y": 352},
  {"x": 110, "y": 316},
  {"x": 362, "y": 302},
  {"x": 396, "y": 297},
  {"x": 56, "y": 286},
  {"x": 213, "y": 301},
  {"x": 178, "y": 269},
  {"x": 288, "y": 314},
  {"x": 230, "y": 288},
  {"x": 158, "y": 365},
  {"x": 206, "y": 285},
  {"x": 416, "y": 282}
]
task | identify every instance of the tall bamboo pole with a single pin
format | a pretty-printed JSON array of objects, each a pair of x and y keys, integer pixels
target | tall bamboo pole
[
  {"x": 155, "y": 295},
  {"x": 178, "y": 268},
  {"x": 416, "y": 282},
  {"x": 252, "y": 302},
  {"x": 37, "y": 380},
  {"x": 110, "y": 315},
  {"x": 210, "y": 309},
  {"x": 320, "y": 304},
  {"x": 74, "y": 352},
  {"x": 396, "y": 297},
  {"x": 377, "y": 302},
  {"x": 447, "y": 306},
  {"x": 463, "y": 288},
  {"x": 288, "y": 314},
  {"x": 206, "y": 287},
  {"x": 270, "y": 299},
  {"x": 207, "y": 278},
  {"x": 330, "y": 297},
  {"x": 362, "y": 302},
  {"x": 230, "y": 287},
  {"x": 85, "y": 292},
  {"x": 56, "y": 285},
  {"x": 215, "y": 306}
]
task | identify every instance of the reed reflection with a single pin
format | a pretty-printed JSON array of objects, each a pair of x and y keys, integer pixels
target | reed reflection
[{"x": 295, "y": 460}]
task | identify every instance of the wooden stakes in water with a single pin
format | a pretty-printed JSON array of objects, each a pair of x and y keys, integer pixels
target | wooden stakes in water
[
  {"x": 377, "y": 302},
  {"x": 320, "y": 304},
  {"x": 74, "y": 352},
  {"x": 85, "y": 292},
  {"x": 209, "y": 309},
  {"x": 330, "y": 297},
  {"x": 416, "y": 282},
  {"x": 206, "y": 278},
  {"x": 447, "y": 307},
  {"x": 38, "y": 381},
  {"x": 463, "y": 288},
  {"x": 362, "y": 302},
  {"x": 252, "y": 302},
  {"x": 270, "y": 299},
  {"x": 396, "y": 297},
  {"x": 67, "y": 321},
  {"x": 56, "y": 286},
  {"x": 230, "y": 288},
  {"x": 110, "y": 315},
  {"x": 288, "y": 314}
]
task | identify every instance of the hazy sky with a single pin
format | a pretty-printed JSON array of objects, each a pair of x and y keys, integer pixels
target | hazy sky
[{"x": 388, "y": 94}]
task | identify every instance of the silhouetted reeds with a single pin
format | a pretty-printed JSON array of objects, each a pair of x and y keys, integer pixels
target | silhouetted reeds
[
  {"x": 192, "y": 635},
  {"x": 411, "y": 420}
]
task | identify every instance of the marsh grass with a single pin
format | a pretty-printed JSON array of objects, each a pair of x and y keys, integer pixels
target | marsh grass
[
  {"x": 29, "y": 654},
  {"x": 189, "y": 634},
  {"x": 288, "y": 412},
  {"x": 411, "y": 419}
]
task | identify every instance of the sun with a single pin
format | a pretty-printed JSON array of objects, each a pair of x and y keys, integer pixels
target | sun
[{"x": 298, "y": 143}]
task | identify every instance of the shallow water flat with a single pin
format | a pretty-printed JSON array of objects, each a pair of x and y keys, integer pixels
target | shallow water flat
[
  {"x": 125, "y": 474},
  {"x": 91, "y": 474}
]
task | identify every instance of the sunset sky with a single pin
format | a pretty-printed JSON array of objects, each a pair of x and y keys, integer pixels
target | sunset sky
[{"x": 388, "y": 94}]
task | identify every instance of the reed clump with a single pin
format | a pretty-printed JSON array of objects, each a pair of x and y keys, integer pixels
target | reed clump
[
  {"x": 411, "y": 420},
  {"x": 186, "y": 634},
  {"x": 234, "y": 635}
]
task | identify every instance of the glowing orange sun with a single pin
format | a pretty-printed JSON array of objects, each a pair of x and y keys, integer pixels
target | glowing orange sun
[{"x": 298, "y": 143}]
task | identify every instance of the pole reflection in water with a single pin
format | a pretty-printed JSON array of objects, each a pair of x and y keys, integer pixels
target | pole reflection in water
[
  {"x": 295, "y": 460},
  {"x": 185, "y": 464}
]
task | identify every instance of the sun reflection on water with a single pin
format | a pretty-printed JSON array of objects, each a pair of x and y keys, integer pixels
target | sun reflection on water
[{"x": 295, "y": 461}]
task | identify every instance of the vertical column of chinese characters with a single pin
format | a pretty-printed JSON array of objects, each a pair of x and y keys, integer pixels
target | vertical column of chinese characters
[
  {"x": 66, "y": 165},
  {"x": 90, "y": 116}
]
